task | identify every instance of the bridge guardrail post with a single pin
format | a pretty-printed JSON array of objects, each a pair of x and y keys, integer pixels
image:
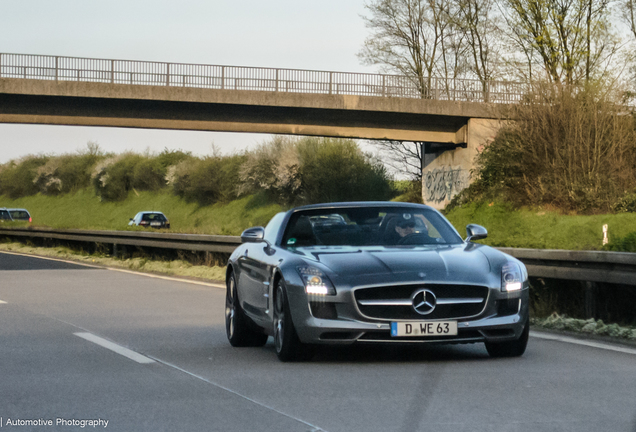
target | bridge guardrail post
[
  {"x": 112, "y": 71},
  {"x": 330, "y": 82},
  {"x": 167, "y": 74},
  {"x": 222, "y": 77},
  {"x": 57, "y": 60}
]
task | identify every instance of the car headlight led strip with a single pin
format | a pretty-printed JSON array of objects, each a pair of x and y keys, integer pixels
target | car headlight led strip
[
  {"x": 316, "y": 281},
  {"x": 512, "y": 277}
]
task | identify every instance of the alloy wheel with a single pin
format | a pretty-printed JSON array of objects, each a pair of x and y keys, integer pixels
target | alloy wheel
[
  {"x": 279, "y": 322},
  {"x": 230, "y": 309}
]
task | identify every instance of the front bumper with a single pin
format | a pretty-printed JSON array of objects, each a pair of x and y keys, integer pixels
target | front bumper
[{"x": 489, "y": 326}]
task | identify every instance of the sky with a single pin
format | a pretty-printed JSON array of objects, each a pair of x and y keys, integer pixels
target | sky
[{"x": 299, "y": 34}]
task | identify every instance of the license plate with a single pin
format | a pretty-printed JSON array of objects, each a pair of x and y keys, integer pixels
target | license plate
[
  {"x": 424, "y": 328},
  {"x": 155, "y": 223}
]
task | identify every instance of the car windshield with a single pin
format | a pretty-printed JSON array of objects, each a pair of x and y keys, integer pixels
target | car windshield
[
  {"x": 19, "y": 214},
  {"x": 4, "y": 215},
  {"x": 153, "y": 217},
  {"x": 369, "y": 226}
]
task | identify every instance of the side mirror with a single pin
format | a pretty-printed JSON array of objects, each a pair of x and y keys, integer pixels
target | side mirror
[
  {"x": 253, "y": 235},
  {"x": 131, "y": 218},
  {"x": 475, "y": 232}
]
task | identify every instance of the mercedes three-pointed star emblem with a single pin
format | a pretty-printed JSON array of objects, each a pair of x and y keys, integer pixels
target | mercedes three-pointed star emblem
[{"x": 424, "y": 301}]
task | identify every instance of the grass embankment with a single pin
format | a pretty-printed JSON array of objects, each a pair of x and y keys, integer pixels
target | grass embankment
[
  {"x": 540, "y": 229},
  {"x": 84, "y": 210},
  {"x": 507, "y": 227},
  {"x": 172, "y": 268}
]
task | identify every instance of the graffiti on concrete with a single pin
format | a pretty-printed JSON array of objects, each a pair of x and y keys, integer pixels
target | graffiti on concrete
[{"x": 444, "y": 183}]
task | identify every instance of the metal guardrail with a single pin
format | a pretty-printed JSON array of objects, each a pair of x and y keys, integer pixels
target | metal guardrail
[
  {"x": 131, "y": 72},
  {"x": 190, "y": 242},
  {"x": 589, "y": 266}
]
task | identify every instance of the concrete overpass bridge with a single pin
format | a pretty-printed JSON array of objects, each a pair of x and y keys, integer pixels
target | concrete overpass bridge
[{"x": 453, "y": 117}]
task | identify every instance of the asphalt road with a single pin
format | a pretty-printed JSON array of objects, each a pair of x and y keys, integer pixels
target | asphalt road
[{"x": 194, "y": 380}]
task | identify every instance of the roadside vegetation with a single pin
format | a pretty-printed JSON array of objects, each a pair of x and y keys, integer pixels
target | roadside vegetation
[
  {"x": 588, "y": 326},
  {"x": 215, "y": 194}
]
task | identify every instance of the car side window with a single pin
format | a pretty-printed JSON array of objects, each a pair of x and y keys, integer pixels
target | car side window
[{"x": 272, "y": 228}]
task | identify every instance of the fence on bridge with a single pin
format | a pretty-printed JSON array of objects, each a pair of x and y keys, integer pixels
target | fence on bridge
[{"x": 59, "y": 68}]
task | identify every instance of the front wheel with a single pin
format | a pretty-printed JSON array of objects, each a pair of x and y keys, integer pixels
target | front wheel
[
  {"x": 288, "y": 345},
  {"x": 237, "y": 325},
  {"x": 514, "y": 348}
]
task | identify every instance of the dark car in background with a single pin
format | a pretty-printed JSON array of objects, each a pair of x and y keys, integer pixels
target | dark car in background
[
  {"x": 152, "y": 219},
  {"x": 376, "y": 272},
  {"x": 14, "y": 214}
]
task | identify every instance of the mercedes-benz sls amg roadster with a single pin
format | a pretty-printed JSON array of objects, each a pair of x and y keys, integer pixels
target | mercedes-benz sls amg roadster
[{"x": 372, "y": 272}]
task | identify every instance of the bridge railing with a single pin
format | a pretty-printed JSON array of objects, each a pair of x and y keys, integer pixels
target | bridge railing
[{"x": 59, "y": 68}]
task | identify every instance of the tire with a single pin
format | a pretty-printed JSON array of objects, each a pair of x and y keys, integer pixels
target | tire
[
  {"x": 514, "y": 348},
  {"x": 238, "y": 328},
  {"x": 288, "y": 346}
]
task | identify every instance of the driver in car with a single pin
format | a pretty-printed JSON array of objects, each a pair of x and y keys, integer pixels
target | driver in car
[{"x": 405, "y": 227}]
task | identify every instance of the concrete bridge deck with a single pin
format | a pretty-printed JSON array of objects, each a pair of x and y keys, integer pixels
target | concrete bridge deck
[{"x": 121, "y": 93}]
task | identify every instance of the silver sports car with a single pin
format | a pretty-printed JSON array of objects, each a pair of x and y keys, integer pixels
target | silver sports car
[{"x": 373, "y": 272}]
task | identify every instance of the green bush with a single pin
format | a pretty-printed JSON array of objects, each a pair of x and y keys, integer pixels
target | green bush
[
  {"x": 337, "y": 170},
  {"x": 66, "y": 173},
  {"x": 207, "y": 181},
  {"x": 113, "y": 177},
  {"x": 17, "y": 177},
  {"x": 627, "y": 204},
  {"x": 408, "y": 191},
  {"x": 622, "y": 244},
  {"x": 296, "y": 171},
  {"x": 569, "y": 148},
  {"x": 273, "y": 168},
  {"x": 149, "y": 174}
]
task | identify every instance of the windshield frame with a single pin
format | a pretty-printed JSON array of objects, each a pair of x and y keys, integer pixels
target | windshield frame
[{"x": 448, "y": 235}]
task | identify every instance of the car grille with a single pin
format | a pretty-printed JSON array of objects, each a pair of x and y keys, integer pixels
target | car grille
[{"x": 394, "y": 302}]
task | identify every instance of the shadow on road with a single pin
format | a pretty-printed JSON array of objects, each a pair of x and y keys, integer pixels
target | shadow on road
[{"x": 20, "y": 262}]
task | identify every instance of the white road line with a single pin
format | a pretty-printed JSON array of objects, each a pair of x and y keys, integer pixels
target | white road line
[
  {"x": 170, "y": 278},
  {"x": 575, "y": 341},
  {"x": 3, "y": 302},
  {"x": 115, "y": 348}
]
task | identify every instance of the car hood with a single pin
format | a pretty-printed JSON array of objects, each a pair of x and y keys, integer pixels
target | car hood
[{"x": 372, "y": 265}]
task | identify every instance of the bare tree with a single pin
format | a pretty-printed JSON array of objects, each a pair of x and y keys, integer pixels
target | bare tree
[
  {"x": 628, "y": 14},
  {"x": 571, "y": 39},
  {"x": 403, "y": 157},
  {"x": 411, "y": 38},
  {"x": 477, "y": 21}
]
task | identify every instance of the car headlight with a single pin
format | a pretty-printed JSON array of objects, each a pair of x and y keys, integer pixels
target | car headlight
[
  {"x": 316, "y": 281},
  {"x": 512, "y": 277}
]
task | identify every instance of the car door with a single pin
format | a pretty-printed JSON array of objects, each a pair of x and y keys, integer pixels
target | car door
[
  {"x": 253, "y": 279},
  {"x": 257, "y": 264}
]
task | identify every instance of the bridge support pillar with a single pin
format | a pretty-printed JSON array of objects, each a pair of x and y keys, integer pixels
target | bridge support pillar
[{"x": 447, "y": 166}]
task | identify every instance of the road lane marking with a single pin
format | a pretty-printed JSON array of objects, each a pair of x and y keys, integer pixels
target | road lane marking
[
  {"x": 575, "y": 341},
  {"x": 170, "y": 278},
  {"x": 115, "y": 348},
  {"x": 3, "y": 302},
  {"x": 234, "y": 392}
]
